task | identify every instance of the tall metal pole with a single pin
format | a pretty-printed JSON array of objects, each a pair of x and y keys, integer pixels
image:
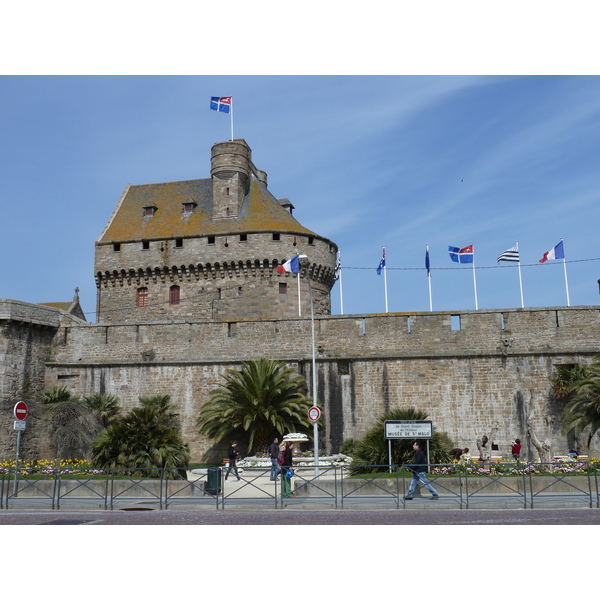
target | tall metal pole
[
  {"x": 303, "y": 259},
  {"x": 314, "y": 380}
]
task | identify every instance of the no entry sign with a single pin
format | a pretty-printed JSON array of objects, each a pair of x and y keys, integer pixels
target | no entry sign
[
  {"x": 21, "y": 411},
  {"x": 314, "y": 413}
]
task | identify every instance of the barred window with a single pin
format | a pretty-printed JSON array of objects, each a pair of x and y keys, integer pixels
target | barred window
[
  {"x": 142, "y": 296},
  {"x": 174, "y": 294}
]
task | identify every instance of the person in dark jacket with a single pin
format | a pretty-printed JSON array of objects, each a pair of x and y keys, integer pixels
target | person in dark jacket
[
  {"x": 274, "y": 454},
  {"x": 288, "y": 463},
  {"x": 456, "y": 453},
  {"x": 232, "y": 454},
  {"x": 419, "y": 468}
]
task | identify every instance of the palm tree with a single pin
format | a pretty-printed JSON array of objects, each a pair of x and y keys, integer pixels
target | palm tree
[
  {"x": 564, "y": 379},
  {"x": 583, "y": 410},
  {"x": 104, "y": 407},
  {"x": 144, "y": 440},
  {"x": 165, "y": 411},
  {"x": 373, "y": 449},
  {"x": 263, "y": 399},
  {"x": 72, "y": 427}
]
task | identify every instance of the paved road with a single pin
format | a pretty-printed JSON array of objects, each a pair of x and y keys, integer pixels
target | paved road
[{"x": 303, "y": 517}]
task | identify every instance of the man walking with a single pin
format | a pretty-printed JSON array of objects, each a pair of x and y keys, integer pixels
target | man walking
[
  {"x": 274, "y": 454},
  {"x": 418, "y": 468},
  {"x": 232, "y": 454}
]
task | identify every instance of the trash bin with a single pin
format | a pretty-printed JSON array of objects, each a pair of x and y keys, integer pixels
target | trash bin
[{"x": 213, "y": 481}]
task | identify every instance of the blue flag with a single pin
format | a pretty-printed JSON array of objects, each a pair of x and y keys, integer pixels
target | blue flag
[
  {"x": 381, "y": 262},
  {"x": 461, "y": 255},
  {"x": 427, "y": 260},
  {"x": 221, "y": 104}
]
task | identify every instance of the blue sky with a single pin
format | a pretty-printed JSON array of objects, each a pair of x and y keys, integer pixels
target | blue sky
[{"x": 368, "y": 161}]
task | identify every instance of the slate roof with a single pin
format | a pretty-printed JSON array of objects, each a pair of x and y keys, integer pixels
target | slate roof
[
  {"x": 73, "y": 307},
  {"x": 260, "y": 211},
  {"x": 61, "y": 305}
]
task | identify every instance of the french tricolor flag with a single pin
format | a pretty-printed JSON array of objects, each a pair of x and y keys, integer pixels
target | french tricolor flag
[
  {"x": 291, "y": 266},
  {"x": 557, "y": 252}
]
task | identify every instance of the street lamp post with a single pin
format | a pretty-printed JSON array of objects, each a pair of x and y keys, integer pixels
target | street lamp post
[{"x": 304, "y": 262}]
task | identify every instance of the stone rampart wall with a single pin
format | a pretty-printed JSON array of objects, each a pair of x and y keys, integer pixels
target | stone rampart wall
[
  {"x": 27, "y": 332},
  {"x": 497, "y": 366}
]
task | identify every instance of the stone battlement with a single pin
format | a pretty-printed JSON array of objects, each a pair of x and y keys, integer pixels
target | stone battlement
[{"x": 514, "y": 332}]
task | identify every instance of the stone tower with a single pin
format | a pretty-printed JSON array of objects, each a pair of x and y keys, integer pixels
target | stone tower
[{"x": 208, "y": 249}]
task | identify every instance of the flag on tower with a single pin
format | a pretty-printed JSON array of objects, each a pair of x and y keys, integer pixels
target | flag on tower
[
  {"x": 557, "y": 252},
  {"x": 381, "y": 262},
  {"x": 220, "y": 104},
  {"x": 291, "y": 266},
  {"x": 461, "y": 255},
  {"x": 338, "y": 268},
  {"x": 510, "y": 255},
  {"x": 427, "y": 260}
]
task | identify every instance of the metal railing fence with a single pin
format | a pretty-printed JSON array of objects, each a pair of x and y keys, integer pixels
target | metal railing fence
[
  {"x": 505, "y": 485},
  {"x": 197, "y": 492},
  {"x": 314, "y": 486},
  {"x": 254, "y": 487},
  {"x": 377, "y": 484}
]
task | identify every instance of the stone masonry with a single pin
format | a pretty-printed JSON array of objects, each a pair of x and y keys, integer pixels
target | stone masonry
[
  {"x": 188, "y": 287},
  {"x": 496, "y": 367}
]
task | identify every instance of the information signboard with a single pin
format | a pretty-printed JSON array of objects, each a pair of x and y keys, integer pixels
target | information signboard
[{"x": 402, "y": 430}]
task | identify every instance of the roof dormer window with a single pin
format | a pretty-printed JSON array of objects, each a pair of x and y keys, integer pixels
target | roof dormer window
[
  {"x": 149, "y": 210},
  {"x": 189, "y": 206}
]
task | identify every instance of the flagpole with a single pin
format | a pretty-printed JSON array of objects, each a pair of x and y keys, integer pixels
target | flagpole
[
  {"x": 520, "y": 280},
  {"x": 474, "y": 279},
  {"x": 428, "y": 276},
  {"x": 566, "y": 280},
  {"x": 299, "y": 300},
  {"x": 231, "y": 117},
  {"x": 385, "y": 283},
  {"x": 341, "y": 290}
]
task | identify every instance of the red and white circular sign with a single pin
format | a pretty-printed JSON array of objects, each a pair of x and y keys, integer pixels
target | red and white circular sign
[
  {"x": 314, "y": 413},
  {"x": 21, "y": 411}
]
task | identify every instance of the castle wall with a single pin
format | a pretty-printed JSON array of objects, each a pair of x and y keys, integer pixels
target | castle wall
[
  {"x": 236, "y": 279},
  {"x": 497, "y": 366},
  {"x": 27, "y": 332}
]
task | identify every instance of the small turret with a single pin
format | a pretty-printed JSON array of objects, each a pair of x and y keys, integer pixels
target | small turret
[{"x": 230, "y": 169}]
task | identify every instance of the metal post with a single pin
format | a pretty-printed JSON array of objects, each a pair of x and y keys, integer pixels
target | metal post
[
  {"x": 303, "y": 259},
  {"x": 17, "y": 461},
  {"x": 314, "y": 378}
]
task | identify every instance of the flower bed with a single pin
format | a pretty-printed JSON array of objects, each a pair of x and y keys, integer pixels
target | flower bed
[
  {"x": 512, "y": 468},
  {"x": 301, "y": 459},
  {"x": 48, "y": 467}
]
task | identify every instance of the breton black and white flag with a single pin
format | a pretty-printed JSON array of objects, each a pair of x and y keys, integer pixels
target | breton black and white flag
[
  {"x": 510, "y": 255},
  {"x": 338, "y": 268}
]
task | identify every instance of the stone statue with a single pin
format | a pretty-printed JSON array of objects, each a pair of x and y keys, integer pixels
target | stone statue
[
  {"x": 484, "y": 445},
  {"x": 543, "y": 448}
]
